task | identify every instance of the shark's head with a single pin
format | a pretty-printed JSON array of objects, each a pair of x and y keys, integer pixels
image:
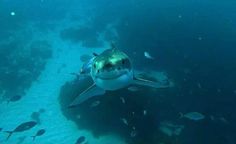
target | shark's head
[{"x": 112, "y": 70}]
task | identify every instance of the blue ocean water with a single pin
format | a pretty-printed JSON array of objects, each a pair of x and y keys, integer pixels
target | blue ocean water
[{"x": 44, "y": 43}]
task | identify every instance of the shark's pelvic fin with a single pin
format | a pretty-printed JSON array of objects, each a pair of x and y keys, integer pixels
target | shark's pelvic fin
[
  {"x": 91, "y": 91},
  {"x": 149, "y": 83}
]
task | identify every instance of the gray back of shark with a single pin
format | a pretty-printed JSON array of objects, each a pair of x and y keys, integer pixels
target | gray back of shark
[{"x": 112, "y": 70}]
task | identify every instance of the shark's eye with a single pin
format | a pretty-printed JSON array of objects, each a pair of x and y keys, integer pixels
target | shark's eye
[{"x": 98, "y": 71}]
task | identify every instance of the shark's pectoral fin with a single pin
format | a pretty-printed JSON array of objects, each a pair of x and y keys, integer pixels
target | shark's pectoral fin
[
  {"x": 149, "y": 83},
  {"x": 91, "y": 91}
]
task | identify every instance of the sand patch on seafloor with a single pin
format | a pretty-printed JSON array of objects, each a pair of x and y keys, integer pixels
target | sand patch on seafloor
[{"x": 44, "y": 94}]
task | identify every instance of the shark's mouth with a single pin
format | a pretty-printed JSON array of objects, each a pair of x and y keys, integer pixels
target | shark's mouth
[
  {"x": 111, "y": 75},
  {"x": 109, "y": 78}
]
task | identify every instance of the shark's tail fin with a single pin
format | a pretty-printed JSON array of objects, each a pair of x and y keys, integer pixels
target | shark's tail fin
[{"x": 9, "y": 134}]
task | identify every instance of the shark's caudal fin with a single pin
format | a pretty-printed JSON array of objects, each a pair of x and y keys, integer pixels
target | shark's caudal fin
[
  {"x": 149, "y": 83},
  {"x": 91, "y": 91},
  {"x": 9, "y": 134}
]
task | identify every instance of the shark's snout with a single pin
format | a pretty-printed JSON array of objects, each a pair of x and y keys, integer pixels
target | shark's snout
[{"x": 112, "y": 70}]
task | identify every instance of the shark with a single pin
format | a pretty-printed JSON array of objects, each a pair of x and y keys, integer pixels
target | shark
[{"x": 112, "y": 70}]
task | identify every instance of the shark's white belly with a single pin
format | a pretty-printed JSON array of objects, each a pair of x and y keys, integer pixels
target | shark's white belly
[{"x": 114, "y": 84}]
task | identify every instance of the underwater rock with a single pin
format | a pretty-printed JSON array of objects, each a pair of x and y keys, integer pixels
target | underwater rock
[
  {"x": 170, "y": 129},
  {"x": 36, "y": 116},
  {"x": 41, "y": 110},
  {"x": 41, "y": 49},
  {"x": 21, "y": 62}
]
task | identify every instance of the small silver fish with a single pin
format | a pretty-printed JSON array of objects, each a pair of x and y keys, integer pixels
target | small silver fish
[
  {"x": 212, "y": 117},
  {"x": 199, "y": 85},
  {"x": 94, "y": 104},
  {"x": 196, "y": 116},
  {"x": 78, "y": 116},
  {"x": 133, "y": 133},
  {"x": 122, "y": 100},
  {"x": 224, "y": 120},
  {"x": 144, "y": 112},
  {"x": 124, "y": 121},
  {"x": 148, "y": 56}
]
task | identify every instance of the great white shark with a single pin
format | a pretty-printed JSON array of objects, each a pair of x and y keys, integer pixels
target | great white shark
[{"x": 112, "y": 70}]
